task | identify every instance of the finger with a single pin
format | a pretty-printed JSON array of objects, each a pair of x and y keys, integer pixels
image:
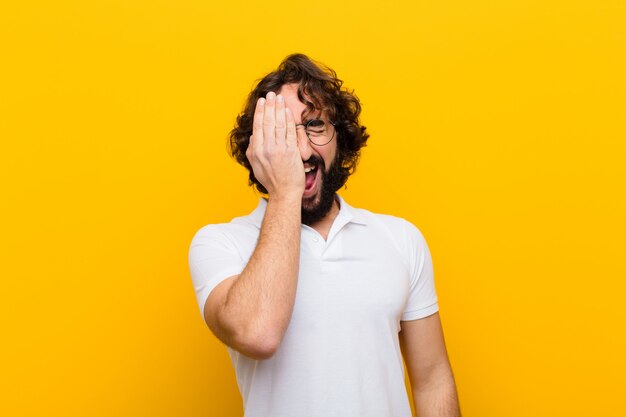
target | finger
[
  {"x": 292, "y": 136},
  {"x": 269, "y": 119},
  {"x": 256, "y": 140},
  {"x": 281, "y": 124}
]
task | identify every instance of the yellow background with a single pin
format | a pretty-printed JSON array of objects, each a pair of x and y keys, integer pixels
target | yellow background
[{"x": 498, "y": 128}]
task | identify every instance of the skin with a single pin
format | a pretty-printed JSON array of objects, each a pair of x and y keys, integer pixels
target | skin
[
  {"x": 327, "y": 152},
  {"x": 250, "y": 312},
  {"x": 425, "y": 355}
]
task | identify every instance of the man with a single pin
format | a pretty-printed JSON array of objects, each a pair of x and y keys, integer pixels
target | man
[{"x": 318, "y": 301}]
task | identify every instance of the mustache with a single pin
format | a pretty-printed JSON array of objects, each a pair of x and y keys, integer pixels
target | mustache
[{"x": 315, "y": 160}]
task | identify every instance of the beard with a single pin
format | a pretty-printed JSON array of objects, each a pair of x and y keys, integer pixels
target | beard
[{"x": 316, "y": 207}]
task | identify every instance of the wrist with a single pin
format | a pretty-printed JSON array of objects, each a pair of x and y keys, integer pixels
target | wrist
[{"x": 286, "y": 199}]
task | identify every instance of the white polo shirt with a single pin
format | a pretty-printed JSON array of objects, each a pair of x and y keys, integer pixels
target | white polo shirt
[{"x": 340, "y": 355}]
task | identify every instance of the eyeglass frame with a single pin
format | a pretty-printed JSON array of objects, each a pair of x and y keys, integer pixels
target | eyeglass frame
[{"x": 305, "y": 125}]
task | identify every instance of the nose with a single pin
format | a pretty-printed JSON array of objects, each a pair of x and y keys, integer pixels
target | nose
[{"x": 303, "y": 143}]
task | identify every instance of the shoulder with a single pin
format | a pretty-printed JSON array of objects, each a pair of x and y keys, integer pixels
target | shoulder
[
  {"x": 398, "y": 228},
  {"x": 410, "y": 243},
  {"x": 231, "y": 234},
  {"x": 400, "y": 233}
]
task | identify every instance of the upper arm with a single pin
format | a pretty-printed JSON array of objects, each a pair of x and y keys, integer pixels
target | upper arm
[
  {"x": 422, "y": 297},
  {"x": 424, "y": 351},
  {"x": 224, "y": 327},
  {"x": 213, "y": 259},
  {"x": 214, "y": 303}
]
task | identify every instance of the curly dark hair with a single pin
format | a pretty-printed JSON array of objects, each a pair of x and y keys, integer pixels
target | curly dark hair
[{"x": 319, "y": 84}]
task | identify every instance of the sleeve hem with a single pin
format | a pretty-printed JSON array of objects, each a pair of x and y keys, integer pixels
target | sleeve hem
[
  {"x": 421, "y": 313},
  {"x": 215, "y": 281}
]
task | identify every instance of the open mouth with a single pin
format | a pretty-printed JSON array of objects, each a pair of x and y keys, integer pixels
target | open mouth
[{"x": 311, "y": 178}]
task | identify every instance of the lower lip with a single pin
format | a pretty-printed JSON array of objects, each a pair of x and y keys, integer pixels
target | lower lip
[{"x": 313, "y": 190}]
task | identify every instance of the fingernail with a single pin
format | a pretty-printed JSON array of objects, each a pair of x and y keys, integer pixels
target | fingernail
[
  {"x": 279, "y": 98},
  {"x": 261, "y": 101},
  {"x": 271, "y": 95}
]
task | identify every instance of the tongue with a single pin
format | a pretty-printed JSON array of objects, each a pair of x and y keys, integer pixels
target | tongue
[{"x": 309, "y": 179}]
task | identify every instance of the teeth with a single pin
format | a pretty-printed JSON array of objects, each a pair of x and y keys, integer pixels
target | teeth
[{"x": 308, "y": 169}]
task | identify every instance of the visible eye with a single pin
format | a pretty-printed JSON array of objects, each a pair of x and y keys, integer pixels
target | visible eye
[{"x": 315, "y": 127}]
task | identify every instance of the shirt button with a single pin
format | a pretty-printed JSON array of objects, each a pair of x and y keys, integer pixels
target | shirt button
[{"x": 316, "y": 239}]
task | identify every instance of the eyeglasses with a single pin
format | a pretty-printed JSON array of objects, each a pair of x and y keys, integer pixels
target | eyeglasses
[{"x": 317, "y": 131}]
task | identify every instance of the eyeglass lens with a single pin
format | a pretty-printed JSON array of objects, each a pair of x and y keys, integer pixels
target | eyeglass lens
[{"x": 318, "y": 131}]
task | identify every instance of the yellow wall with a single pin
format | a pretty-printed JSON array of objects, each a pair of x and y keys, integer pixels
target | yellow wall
[{"x": 498, "y": 128}]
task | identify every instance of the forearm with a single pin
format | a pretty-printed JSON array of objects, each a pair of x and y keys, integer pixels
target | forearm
[
  {"x": 439, "y": 399},
  {"x": 259, "y": 304}
]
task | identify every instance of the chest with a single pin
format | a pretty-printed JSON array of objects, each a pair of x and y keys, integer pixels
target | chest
[{"x": 358, "y": 278}]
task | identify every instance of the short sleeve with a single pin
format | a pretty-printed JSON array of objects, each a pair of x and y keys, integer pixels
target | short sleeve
[
  {"x": 422, "y": 299},
  {"x": 213, "y": 257}
]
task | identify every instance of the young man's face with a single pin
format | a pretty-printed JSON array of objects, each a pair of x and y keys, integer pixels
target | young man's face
[{"x": 321, "y": 180}]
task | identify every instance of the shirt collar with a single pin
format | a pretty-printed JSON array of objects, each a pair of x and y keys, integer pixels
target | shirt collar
[{"x": 347, "y": 213}]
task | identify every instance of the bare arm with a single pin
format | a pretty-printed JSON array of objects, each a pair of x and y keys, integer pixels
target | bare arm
[
  {"x": 250, "y": 312},
  {"x": 426, "y": 358}
]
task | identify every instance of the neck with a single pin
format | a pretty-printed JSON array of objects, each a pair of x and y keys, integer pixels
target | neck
[{"x": 323, "y": 226}]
